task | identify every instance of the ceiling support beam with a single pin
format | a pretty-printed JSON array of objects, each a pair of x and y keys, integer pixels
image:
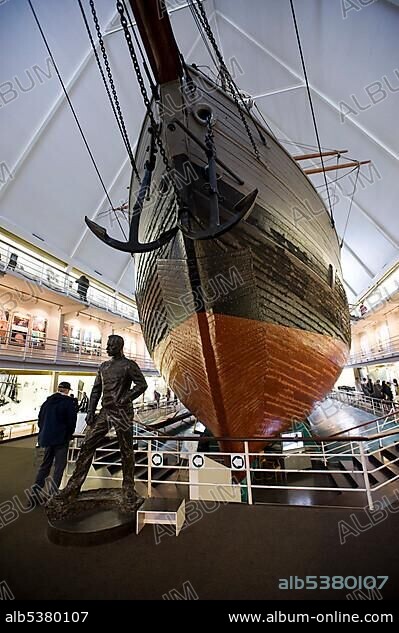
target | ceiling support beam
[
  {"x": 320, "y": 94},
  {"x": 36, "y": 136},
  {"x": 359, "y": 261},
  {"x": 100, "y": 205}
]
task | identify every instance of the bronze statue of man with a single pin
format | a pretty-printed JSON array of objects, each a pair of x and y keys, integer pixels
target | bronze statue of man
[{"x": 114, "y": 380}]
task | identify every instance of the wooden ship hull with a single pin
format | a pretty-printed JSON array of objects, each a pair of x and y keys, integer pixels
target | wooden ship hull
[
  {"x": 238, "y": 277},
  {"x": 252, "y": 328}
]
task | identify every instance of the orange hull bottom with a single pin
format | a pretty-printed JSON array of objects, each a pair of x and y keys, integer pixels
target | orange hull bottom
[{"x": 248, "y": 378}]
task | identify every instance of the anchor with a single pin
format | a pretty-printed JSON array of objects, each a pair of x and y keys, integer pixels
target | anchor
[
  {"x": 132, "y": 245},
  {"x": 242, "y": 208}
]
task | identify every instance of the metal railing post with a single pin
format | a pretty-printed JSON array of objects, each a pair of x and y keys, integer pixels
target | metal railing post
[
  {"x": 248, "y": 470},
  {"x": 378, "y": 431},
  {"x": 324, "y": 454},
  {"x": 149, "y": 468},
  {"x": 366, "y": 476}
]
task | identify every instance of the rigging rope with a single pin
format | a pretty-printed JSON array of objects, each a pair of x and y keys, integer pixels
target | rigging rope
[
  {"x": 121, "y": 7},
  {"x": 335, "y": 182},
  {"x": 197, "y": 21},
  {"x": 350, "y": 208},
  {"x": 337, "y": 179},
  {"x": 114, "y": 102},
  {"x": 311, "y": 108},
  {"x": 154, "y": 88},
  {"x": 74, "y": 113},
  {"x": 200, "y": 11}
]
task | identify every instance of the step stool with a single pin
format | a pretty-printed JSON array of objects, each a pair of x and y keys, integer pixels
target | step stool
[{"x": 161, "y": 512}]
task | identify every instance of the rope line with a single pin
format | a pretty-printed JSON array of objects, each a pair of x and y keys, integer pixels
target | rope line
[
  {"x": 311, "y": 108},
  {"x": 74, "y": 113}
]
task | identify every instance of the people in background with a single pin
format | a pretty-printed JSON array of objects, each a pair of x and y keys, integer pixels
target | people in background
[
  {"x": 157, "y": 397},
  {"x": 370, "y": 385},
  {"x": 83, "y": 286},
  {"x": 387, "y": 391},
  {"x": 12, "y": 262},
  {"x": 168, "y": 395},
  {"x": 57, "y": 422},
  {"x": 395, "y": 387},
  {"x": 75, "y": 402},
  {"x": 84, "y": 403},
  {"x": 365, "y": 387},
  {"x": 377, "y": 393}
]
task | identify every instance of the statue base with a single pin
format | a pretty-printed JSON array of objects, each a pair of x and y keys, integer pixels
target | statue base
[{"x": 91, "y": 518}]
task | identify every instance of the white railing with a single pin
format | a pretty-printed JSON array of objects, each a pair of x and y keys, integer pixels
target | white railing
[
  {"x": 376, "y": 406},
  {"x": 385, "y": 349},
  {"x": 247, "y": 468},
  {"x": 16, "y": 261},
  {"x": 54, "y": 351}
]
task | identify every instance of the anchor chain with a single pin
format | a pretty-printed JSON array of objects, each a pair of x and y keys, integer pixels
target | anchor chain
[
  {"x": 224, "y": 71},
  {"x": 119, "y": 116},
  {"x": 147, "y": 103}
]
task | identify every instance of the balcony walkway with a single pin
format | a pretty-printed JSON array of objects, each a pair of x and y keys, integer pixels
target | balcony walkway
[
  {"x": 56, "y": 356},
  {"x": 386, "y": 352},
  {"x": 23, "y": 265}
]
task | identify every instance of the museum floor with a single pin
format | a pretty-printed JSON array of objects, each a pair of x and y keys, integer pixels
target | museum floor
[{"x": 228, "y": 552}]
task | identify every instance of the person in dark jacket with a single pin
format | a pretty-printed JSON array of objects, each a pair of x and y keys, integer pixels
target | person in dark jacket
[
  {"x": 83, "y": 286},
  {"x": 57, "y": 422},
  {"x": 387, "y": 391}
]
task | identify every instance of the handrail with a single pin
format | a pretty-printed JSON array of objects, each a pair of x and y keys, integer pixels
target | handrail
[
  {"x": 347, "y": 395},
  {"x": 393, "y": 405},
  {"x": 181, "y": 458},
  {"x": 387, "y": 348},
  {"x": 311, "y": 440},
  {"x": 54, "y": 350},
  {"x": 16, "y": 261}
]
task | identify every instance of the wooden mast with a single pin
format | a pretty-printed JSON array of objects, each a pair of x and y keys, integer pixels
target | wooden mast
[{"x": 157, "y": 36}]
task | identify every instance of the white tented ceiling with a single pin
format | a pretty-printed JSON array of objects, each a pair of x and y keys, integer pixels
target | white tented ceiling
[{"x": 48, "y": 183}]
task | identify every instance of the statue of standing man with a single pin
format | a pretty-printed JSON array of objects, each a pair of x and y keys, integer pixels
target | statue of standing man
[{"x": 114, "y": 381}]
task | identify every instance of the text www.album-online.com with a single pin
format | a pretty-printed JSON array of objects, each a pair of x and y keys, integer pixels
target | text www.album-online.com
[{"x": 336, "y": 617}]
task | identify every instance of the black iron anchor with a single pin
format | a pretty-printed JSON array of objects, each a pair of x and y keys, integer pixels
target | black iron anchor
[{"x": 132, "y": 245}]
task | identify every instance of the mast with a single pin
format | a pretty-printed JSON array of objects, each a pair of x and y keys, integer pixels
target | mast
[{"x": 157, "y": 36}]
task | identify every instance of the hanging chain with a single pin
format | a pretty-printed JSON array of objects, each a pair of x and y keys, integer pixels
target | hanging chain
[
  {"x": 115, "y": 103},
  {"x": 154, "y": 124},
  {"x": 225, "y": 74}
]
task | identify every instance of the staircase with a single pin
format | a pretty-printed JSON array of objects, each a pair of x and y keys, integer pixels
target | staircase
[
  {"x": 382, "y": 468},
  {"x": 108, "y": 455}
]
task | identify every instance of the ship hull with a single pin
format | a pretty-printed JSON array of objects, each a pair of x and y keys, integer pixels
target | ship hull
[{"x": 250, "y": 329}]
